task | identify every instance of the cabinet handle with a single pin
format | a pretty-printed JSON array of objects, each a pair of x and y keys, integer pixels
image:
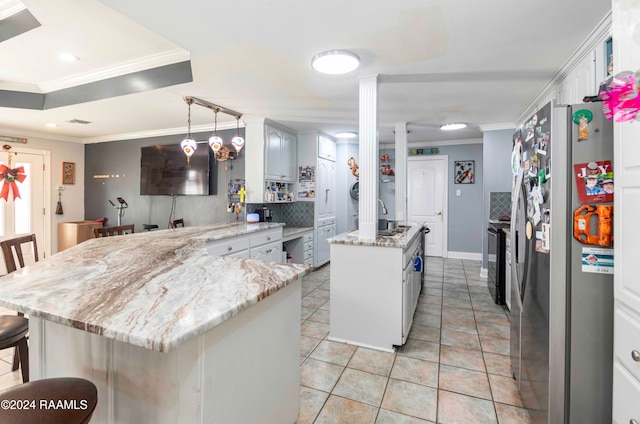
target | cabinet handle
[
  {"x": 268, "y": 238},
  {"x": 229, "y": 249},
  {"x": 633, "y": 421},
  {"x": 635, "y": 355}
]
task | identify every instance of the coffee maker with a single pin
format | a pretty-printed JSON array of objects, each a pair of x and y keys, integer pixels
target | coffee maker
[{"x": 265, "y": 214}]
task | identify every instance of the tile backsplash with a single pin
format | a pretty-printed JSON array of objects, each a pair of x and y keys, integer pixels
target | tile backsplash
[
  {"x": 295, "y": 214},
  {"x": 499, "y": 204}
]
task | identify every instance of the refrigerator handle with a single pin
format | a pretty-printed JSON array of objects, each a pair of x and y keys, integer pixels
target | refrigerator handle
[{"x": 514, "y": 230}]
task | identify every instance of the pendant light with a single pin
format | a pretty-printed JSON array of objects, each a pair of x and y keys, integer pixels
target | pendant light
[
  {"x": 237, "y": 141},
  {"x": 215, "y": 142},
  {"x": 188, "y": 145}
]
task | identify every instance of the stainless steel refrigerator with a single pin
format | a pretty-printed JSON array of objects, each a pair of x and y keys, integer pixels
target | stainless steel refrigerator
[{"x": 562, "y": 296}]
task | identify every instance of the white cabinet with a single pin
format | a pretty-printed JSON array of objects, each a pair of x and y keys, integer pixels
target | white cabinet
[
  {"x": 271, "y": 252},
  {"x": 281, "y": 157},
  {"x": 265, "y": 245},
  {"x": 325, "y": 191},
  {"x": 326, "y": 148},
  {"x": 322, "y": 251}
]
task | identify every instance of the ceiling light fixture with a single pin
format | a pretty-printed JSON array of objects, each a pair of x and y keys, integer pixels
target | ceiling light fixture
[
  {"x": 335, "y": 62},
  {"x": 453, "y": 126},
  {"x": 346, "y": 134},
  {"x": 188, "y": 145},
  {"x": 215, "y": 142},
  {"x": 52, "y": 125},
  {"x": 237, "y": 141}
]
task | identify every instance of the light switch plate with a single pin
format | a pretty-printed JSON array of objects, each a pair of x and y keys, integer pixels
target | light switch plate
[{"x": 458, "y": 193}]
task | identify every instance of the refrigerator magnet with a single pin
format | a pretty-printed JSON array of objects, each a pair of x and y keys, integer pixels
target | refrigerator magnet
[
  {"x": 546, "y": 236},
  {"x": 529, "y": 230},
  {"x": 537, "y": 216},
  {"x": 582, "y": 118}
]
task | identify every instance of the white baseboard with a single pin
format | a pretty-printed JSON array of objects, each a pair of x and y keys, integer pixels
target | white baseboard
[
  {"x": 483, "y": 272},
  {"x": 465, "y": 255}
]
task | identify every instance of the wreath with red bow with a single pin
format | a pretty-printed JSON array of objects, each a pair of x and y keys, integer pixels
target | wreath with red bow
[{"x": 10, "y": 177}]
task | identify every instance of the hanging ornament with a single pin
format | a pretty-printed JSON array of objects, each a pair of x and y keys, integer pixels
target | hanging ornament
[
  {"x": 621, "y": 101},
  {"x": 10, "y": 176},
  {"x": 59, "y": 207}
]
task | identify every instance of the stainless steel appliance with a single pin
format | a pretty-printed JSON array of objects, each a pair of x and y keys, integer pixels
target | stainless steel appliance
[
  {"x": 265, "y": 214},
  {"x": 562, "y": 311},
  {"x": 496, "y": 245}
]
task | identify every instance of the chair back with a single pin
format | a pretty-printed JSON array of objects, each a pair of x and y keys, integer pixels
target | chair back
[
  {"x": 16, "y": 243},
  {"x": 177, "y": 223},
  {"x": 113, "y": 231}
]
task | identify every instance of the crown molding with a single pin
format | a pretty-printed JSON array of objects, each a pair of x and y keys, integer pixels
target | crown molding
[
  {"x": 148, "y": 62},
  {"x": 15, "y": 132},
  {"x": 161, "y": 132},
  {"x": 6, "y": 12},
  {"x": 442, "y": 143}
]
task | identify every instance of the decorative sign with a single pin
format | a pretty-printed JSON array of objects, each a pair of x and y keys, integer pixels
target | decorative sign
[
  {"x": 463, "y": 171},
  {"x": 597, "y": 260},
  {"x": 68, "y": 173},
  {"x": 9, "y": 139},
  {"x": 594, "y": 181}
]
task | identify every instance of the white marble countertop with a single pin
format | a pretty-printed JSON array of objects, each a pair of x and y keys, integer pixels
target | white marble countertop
[
  {"x": 289, "y": 233},
  {"x": 153, "y": 289},
  {"x": 401, "y": 240}
]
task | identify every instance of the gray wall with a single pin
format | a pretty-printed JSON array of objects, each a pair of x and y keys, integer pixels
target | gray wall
[
  {"x": 497, "y": 160},
  {"x": 123, "y": 158}
]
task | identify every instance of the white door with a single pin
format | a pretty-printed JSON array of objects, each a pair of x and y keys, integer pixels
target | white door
[
  {"x": 25, "y": 214},
  {"x": 426, "y": 199}
]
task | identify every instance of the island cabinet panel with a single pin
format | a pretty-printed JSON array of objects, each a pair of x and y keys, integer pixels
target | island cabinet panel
[{"x": 245, "y": 370}]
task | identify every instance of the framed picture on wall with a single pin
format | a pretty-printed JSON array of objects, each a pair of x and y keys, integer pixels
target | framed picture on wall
[
  {"x": 68, "y": 173},
  {"x": 463, "y": 171}
]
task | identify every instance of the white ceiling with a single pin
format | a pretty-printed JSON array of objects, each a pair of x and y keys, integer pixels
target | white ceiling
[{"x": 480, "y": 62}]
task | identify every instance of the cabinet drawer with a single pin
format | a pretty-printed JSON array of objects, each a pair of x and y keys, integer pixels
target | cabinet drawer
[
  {"x": 308, "y": 254},
  {"x": 307, "y": 237},
  {"x": 626, "y": 392},
  {"x": 626, "y": 341},
  {"x": 308, "y": 245},
  {"x": 227, "y": 246},
  {"x": 263, "y": 237},
  {"x": 309, "y": 262},
  {"x": 326, "y": 221}
]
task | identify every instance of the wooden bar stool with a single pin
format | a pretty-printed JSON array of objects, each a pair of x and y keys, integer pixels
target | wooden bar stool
[
  {"x": 49, "y": 401},
  {"x": 14, "y": 329},
  {"x": 113, "y": 231}
]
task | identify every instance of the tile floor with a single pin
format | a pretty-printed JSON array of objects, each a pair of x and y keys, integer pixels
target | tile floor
[{"x": 453, "y": 369}]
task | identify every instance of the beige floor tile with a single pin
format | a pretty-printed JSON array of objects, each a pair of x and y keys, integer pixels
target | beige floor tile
[
  {"x": 505, "y": 390},
  {"x": 326, "y": 305},
  {"x": 425, "y": 333},
  {"x": 312, "y": 302},
  {"x": 415, "y": 371},
  {"x": 10, "y": 379},
  {"x": 487, "y": 306},
  {"x": 306, "y": 290},
  {"x": 495, "y": 345},
  {"x": 463, "y": 358},
  {"x": 460, "y": 323},
  {"x": 458, "y": 303},
  {"x": 463, "y": 381},
  {"x": 333, "y": 352},
  {"x": 429, "y": 309},
  {"x": 420, "y": 350},
  {"x": 306, "y": 313},
  {"x": 498, "y": 364},
  {"x": 361, "y": 386},
  {"x": 433, "y": 292},
  {"x": 339, "y": 410},
  {"x": 478, "y": 287},
  {"x": 411, "y": 399},
  {"x": 493, "y": 330},
  {"x": 314, "y": 329},
  {"x": 308, "y": 344},
  {"x": 390, "y": 417},
  {"x": 454, "y": 408},
  {"x": 459, "y": 339},
  {"x": 508, "y": 414},
  {"x": 319, "y": 293},
  {"x": 426, "y": 319},
  {"x": 321, "y": 315},
  {"x": 373, "y": 361},
  {"x": 456, "y": 294},
  {"x": 491, "y": 318},
  {"x": 430, "y": 299},
  {"x": 452, "y": 312},
  {"x": 319, "y": 375},
  {"x": 311, "y": 402}
]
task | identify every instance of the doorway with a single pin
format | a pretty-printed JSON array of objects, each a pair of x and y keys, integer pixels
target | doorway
[
  {"x": 27, "y": 213},
  {"x": 427, "y": 199}
]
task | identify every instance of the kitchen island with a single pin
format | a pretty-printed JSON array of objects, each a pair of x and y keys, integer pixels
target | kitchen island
[
  {"x": 375, "y": 287},
  {"x": 168, "y": 333}
]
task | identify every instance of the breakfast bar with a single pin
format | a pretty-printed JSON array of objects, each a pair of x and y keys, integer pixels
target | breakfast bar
[{"x": 167, "y": 332}]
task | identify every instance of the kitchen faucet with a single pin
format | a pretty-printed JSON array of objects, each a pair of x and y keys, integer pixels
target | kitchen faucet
[{"x": 384, "y": 208}]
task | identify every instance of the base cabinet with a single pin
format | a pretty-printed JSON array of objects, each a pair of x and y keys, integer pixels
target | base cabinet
[
  {"x": 262, "y": 245},
  {"x": 322, "y": 253}
]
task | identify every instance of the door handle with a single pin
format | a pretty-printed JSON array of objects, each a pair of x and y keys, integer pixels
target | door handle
[
  {"x": 514, "y": 214},
  {"x": 439, "y": 213}
]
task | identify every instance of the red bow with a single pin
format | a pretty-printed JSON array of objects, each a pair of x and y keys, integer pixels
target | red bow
[{"x": 10, "y": 176}]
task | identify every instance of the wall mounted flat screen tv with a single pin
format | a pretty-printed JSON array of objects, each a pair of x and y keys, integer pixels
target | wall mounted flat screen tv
[{"x": 164, "y": 171}]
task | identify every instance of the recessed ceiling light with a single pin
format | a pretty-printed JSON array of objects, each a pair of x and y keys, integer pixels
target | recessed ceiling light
[
  {"x": 346, "y": 134},
  {"x": 68, "y": 57},
  {"x": 52, "y": 125},
  {"x": 335, "y": 62},
  {"x": 453, "y": 126}
]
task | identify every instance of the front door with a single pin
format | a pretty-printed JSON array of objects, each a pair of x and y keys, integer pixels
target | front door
[
  {"x": 25, "y": 214},
  {"x": 426, "y": 199}
]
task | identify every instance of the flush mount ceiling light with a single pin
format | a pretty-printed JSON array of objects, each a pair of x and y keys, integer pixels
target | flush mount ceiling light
[
  {"x": 68, "y": 57},
  {"x": 188, "y": 145},
  {"x": 52, "y": 125},
  {"x": 335, "y": 62},
  {"x": 346, "y": 134},
  {"x": 453, "y": 126}
]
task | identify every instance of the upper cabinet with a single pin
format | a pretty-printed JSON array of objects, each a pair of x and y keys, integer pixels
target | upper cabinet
[
  {"x": 271, "y": 161},
  {"x": 326, "y": 148},
  {"x": 281, "y": 148}
]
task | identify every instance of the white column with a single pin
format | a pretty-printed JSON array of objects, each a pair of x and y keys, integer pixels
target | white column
[
  {"x": 368, "y": 163},
  {"x": 401, "y": 171}
]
